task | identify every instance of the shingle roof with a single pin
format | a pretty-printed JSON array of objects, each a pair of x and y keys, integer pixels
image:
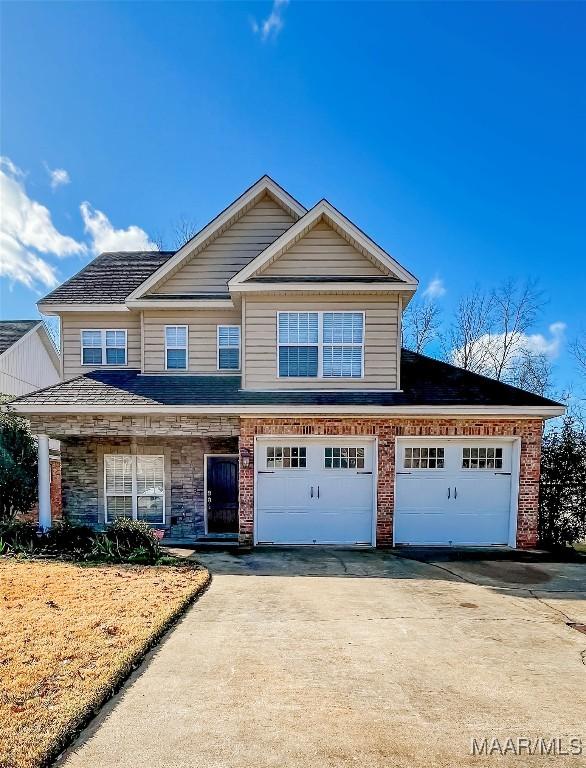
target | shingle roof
[
  {"x": 13, "y": 330},
  {"x": 425, "y": 382},
  {"x": 109, "y": 278}
]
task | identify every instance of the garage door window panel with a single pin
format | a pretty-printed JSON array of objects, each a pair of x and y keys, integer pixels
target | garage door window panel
[
  {"x": 422, "y": 457},
  {"x": 286, "y": 457},
  {"x": 348, "y": 457},
  {"x": 482, "y": 458}
]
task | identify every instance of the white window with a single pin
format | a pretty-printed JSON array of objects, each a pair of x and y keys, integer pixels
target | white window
[
  {"x": 286, "y": 457},
  {"x": 320, "y": 344},
  {"x": 228, "y": 347},
  {"x": 482, "y": 458},
  {"x": 344, "y": 458},
  {"x": 103, "y": 347},
  {"x": 135, "y": 487},
  {"x": 176, "y": 347},
  {"x": 424, "y": 458}
]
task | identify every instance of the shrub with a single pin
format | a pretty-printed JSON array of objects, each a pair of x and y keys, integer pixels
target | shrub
[
  {"x": 18, "y": 467},
  {"x": 76, "y": 541},
  {"x": 131, "y": 540},
  {"x": 19, "y": 537},
  {"x": 562, "y": 498}
]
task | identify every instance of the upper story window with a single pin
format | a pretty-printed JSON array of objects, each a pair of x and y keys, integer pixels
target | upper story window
[
  {"x": 176, "y": 347},
  {"x": 228, "y": 347},
  {"x": 103, "y": 347},
  {"x": 321, "y": 344}
]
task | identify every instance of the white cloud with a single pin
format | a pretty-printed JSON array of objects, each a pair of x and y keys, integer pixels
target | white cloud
[
  {"x": 273, "y": 24},
  {"x": 435, "y": 289},
  {"x": 490, "y": 346},
  {"x": 105, "y": 238},
  {"x": 25, "y": 227},
  {"x": 58, "y": 176}
]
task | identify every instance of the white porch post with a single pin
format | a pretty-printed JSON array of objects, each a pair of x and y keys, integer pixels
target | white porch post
[{"x": 44, "y": 470}]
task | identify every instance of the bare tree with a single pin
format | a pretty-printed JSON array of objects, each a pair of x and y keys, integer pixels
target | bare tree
[
  {"x": 532, "y": 372},
  {"x": 515, "y": 309},
  {"x": 421, "y": 322},
  {"x": 183, "y": 230},
  {"x": 464, "y": 343},
  {"x": 578, "y": 350}
]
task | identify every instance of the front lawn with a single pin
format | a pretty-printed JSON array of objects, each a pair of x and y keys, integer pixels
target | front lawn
[{"x": 68, "y": 635}]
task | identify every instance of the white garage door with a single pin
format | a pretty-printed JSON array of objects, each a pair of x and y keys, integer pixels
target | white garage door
[
  {"x": 314, "y": 491},
  {"x": 453, "y": 492}
]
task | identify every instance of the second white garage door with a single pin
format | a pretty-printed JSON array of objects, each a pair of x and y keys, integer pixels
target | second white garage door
[
  {"x": 453, "y": 492},
  {"x": 314, "y": 491}
]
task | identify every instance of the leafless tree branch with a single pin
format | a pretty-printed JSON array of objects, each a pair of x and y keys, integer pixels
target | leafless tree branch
[{"x": 421, "y": 322}]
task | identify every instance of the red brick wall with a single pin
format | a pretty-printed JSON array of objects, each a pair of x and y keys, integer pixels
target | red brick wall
[
  {"x": 56, "y": 500},
  {"x": 529, "y": 430}
]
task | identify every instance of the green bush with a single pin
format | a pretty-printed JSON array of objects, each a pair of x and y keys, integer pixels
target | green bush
[
  {"x": 18, "y": 467},
  {"x": 18, "y": 538},
  {"x": 130, "y": 540},
  {"x": 76, "y": 541},
  {"x": 562, "y": 497}
]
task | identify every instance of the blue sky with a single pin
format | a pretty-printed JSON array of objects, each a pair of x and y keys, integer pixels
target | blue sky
[{"x": 453, "y": 133}]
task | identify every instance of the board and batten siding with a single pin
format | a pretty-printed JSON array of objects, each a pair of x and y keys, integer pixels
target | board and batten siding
[
  {"x": 202, "y": 337},
  {"x": 28, "y": 365},
  {"x": 380, "y": 348},
  {"x": 72, "y": 324},
  {"x": 322, "y": 251},
  {"x": 209, "y": 270}
]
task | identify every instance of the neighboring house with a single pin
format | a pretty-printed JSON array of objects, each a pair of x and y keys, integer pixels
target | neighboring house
[
  {"x": 29, "y": 360},
  {"x": 253, "y": 385}
]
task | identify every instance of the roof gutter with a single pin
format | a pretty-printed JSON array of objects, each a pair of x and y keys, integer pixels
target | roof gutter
[{"x": 399, "y": 411}]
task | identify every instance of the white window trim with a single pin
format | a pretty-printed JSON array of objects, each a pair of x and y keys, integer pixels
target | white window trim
[
  {"x": 284, "y": 469},
  {"x": 345, "y": 444},
  {"x": 428, "y": 468},
  {"x": 178, "y": 370},
  {"x": 135, "y": 495},
  {"x": 320, "y": 345},
  {"x": 103, "y": 332},
  {"x": 225, "y": 325}
]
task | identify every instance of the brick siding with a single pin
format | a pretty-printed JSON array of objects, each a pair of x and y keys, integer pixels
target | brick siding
[
  {"x": 387, "y": 430},
  {"x": 32, "y": 516}
]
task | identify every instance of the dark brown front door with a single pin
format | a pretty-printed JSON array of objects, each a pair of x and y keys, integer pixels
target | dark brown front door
[{"x": 222, "y": 494}]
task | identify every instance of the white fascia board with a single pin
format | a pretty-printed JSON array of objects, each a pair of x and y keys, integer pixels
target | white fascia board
[
  {"x": 59, "y": 309},
  {"x": 405, "y": 411},
  {"x": 323, "y": 287},
  {"x": 181, "y": 304},
  {"x": 323, "y": 208},
  {"x": 265, "y": 184}
]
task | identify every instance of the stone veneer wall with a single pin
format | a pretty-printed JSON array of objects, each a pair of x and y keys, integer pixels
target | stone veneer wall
[
  {"x": 529, "y": 430},
  {"x": 182, "y": 439},
  {"x": 83, "y": 468}
]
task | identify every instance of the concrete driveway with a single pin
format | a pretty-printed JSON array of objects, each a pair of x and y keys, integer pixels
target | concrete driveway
[{"x": 314, "y": 658}]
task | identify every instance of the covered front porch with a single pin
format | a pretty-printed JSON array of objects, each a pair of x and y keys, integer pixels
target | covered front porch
[{"x": 178, "y": 473}]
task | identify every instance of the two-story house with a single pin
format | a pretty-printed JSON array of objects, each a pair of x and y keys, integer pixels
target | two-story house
[{"x": 252, "y": 385}]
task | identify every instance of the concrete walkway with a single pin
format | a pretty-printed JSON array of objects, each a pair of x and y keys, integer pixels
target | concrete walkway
[{"x": 314, "y": 658}]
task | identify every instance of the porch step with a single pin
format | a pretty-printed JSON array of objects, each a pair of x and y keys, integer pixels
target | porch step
[{"x": 202, "y": 543}]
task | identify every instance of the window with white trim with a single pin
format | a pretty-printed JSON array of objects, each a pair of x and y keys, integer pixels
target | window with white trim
[
  {"x": 320, "y": 344},
  {"x": 286, "y": 457},
  {"x": 134, "y": 487},
  {"x": 228, "y": 347},
  {"x": 424, "y": 458},
  {"x": 104, "y": 347},
  {"x": 347, "y": 457},
  {"x": 482, "y": 458},
  {"x": 176, "y": 347}
]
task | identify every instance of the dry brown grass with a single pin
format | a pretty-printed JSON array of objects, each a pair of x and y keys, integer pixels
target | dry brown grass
[{"x": 68, "y": 635}]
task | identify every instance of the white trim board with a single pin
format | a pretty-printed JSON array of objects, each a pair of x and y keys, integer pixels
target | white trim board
[
  {"x": 331, "y": 215},
  {"x": 264, "y": 185},
  {"x": 284, "y": 410}
]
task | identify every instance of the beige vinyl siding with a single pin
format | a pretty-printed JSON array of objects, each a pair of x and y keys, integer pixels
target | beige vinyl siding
[
  {"x": 322, "y": 251},
  {"x": 210, "y": 269},
  {"x": 73, "y": 323},
  {"x": 380, "y": 349},
  {"x": 202, "y": 337}
]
